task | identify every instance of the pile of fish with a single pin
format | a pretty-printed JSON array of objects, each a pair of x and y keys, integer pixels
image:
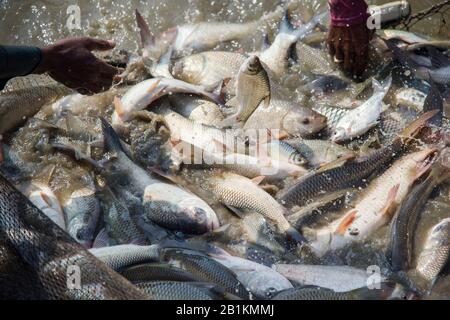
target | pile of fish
[{"x": 216, "y": 173}]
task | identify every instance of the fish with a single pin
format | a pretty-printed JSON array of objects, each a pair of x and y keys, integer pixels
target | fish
[
  {"x": 286, "y": 116},
  {"x": 242, "y": 194},
  {"x": 18, "y": 105},
  {"x": 147, "y": 272},
  {"x": 193, "y": 38},
  {"x": 440, "y": 71},
  {"x": 82, "y": 212},
  {"x": 443, "y": 44},
  {"x": 206, "y": 269},
  {"x": 441, "y": 67},
  {"x": 435, "y": 253},
  {"x": 43, "y": 197},
  {"x": 196, "y": 109},
  {"x": 350, "y": 173},
  {"x": 325, "y": 84},
  {"x": 358, "y": 121},
  {"x": 36, "y": 254},
  {"x": 318, "y": 293},
  {"x": 404, "y": 223},
  {"x": 204, "y": 137},
  {"x": 376, "y": 205},
  {"x": 405, "y": 36},
  {"x": 262, "y": 281},
  {"x": 318, "y": 152},
  {"x": 160, "y": 202},
  {"x": 410, "y": 97},
  {"x": 313, "y": 60},
  {"x": 119, "y": 223},
  {"x": 253, "y": 166},
  {"x": 275, "y": 57},
  {"x": 144, "y": 93},
  {"x": 285, "y": 151},
  {"x": 208, "y": 69},
  {"x": 332, "y": 113},
  {"x": 336, "y": 278},
  {"x": 120, "y": 257},
  {"x": 81, "y": 105},
  {"x": 252, "y": 87},
  {"x": 173, "y": 290}
]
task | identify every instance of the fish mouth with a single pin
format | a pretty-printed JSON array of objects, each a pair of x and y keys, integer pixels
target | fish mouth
[{"x": 427, "y": 158}]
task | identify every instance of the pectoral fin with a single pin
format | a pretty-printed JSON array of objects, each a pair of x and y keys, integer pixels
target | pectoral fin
[
  {"x": 346, "y": 222},
  {"x": 391, "y": 204}
]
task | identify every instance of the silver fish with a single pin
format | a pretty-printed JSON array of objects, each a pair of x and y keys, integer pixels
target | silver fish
[
  {"x": 435, "y": 253},
  {"x": 337, "y": 278},
  {"x": 252, "y": 87},
  {"x": 82, "y": 211},
  {"x": 161, "y": 202},
  {"x": 241, "y": 193}
]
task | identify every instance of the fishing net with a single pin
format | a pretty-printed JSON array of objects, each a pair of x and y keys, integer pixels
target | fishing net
[
  {"x": 441, "y": 8},
  {"x": 38, "y": 260}
]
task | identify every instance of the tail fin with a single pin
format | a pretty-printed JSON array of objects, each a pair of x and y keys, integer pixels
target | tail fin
[
  {"x": 379, "y": 87},
  {"x": 112, "y": 140},
  {"x": 434, "y": 101},
  {"x": 401, "y": 56},
  {"x": 286, "y": 27},
  {"x": 147, "y": 38}
]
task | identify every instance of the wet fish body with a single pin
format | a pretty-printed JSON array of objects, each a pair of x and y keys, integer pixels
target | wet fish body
[
  {"x": 337, "y": 278},
  {"x": 375, "y": 207}
]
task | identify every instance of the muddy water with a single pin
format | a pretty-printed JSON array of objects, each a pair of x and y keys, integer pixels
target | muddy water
[{"x": 42, "y": 22}]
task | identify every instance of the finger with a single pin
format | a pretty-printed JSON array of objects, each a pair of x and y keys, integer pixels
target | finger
[
  {"x": 97, "y": 44},
  {"x": 339, "y": 55},
  {"x": 105, "y": 69}
]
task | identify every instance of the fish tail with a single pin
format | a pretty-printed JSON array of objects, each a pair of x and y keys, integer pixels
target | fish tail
[
  {"x": 147, "y": 39},
  {"x": 379, "y": 87},
  {"x": 434, "y": 101},
  {"x": 293, "y": 235},
  {"x": 112, "y": 140}
]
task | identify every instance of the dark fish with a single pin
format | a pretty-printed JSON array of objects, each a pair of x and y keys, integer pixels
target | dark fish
[
  {"x": 349, "y": 174},
  {"x": 172, "y": 290},
  {"x": 157, "y": 272},
  {"x": 404, "y": 223},
  {"x": 317, "y": 293},
  {"x": 206, "y": 269}
]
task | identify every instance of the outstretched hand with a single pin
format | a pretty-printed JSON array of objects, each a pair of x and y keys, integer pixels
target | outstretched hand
[
  {"x": 350, "y": 47},
  {"x": 71, "y": 62}
]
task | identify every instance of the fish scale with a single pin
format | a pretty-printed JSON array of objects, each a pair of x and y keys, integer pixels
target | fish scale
[
  {"x": 172, "y": 290},
  {"x": 206, "y": 269}
]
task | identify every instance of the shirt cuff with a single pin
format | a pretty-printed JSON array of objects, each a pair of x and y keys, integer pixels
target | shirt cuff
[
  {"x": 346, "y": 13},
  {"x": 18, "y": 61}
]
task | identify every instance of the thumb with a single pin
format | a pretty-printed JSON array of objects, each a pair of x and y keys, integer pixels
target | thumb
[{"x": 97, "y": 44}]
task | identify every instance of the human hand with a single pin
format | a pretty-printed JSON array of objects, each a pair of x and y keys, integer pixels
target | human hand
[
  {"x": 71, "y": 62},
  {"x": 350, "y": 47}
]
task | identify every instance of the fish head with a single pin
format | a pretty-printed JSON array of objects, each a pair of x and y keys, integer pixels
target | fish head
[
  {"x": 252, "y": 65},
  {"x": 82, "y": 233},
  {"x": 303, "y": 122},
  {"x": 339, "y": 135},
  {"x": 439, "y": 235},
  {"x": 199, "y": 212}
]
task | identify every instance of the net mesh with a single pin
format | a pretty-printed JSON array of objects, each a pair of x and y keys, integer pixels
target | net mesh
[{"x": 38, "y": 260}]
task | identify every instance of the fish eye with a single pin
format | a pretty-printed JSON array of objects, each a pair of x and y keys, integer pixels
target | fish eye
[{"x": 306, "y": 121}]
